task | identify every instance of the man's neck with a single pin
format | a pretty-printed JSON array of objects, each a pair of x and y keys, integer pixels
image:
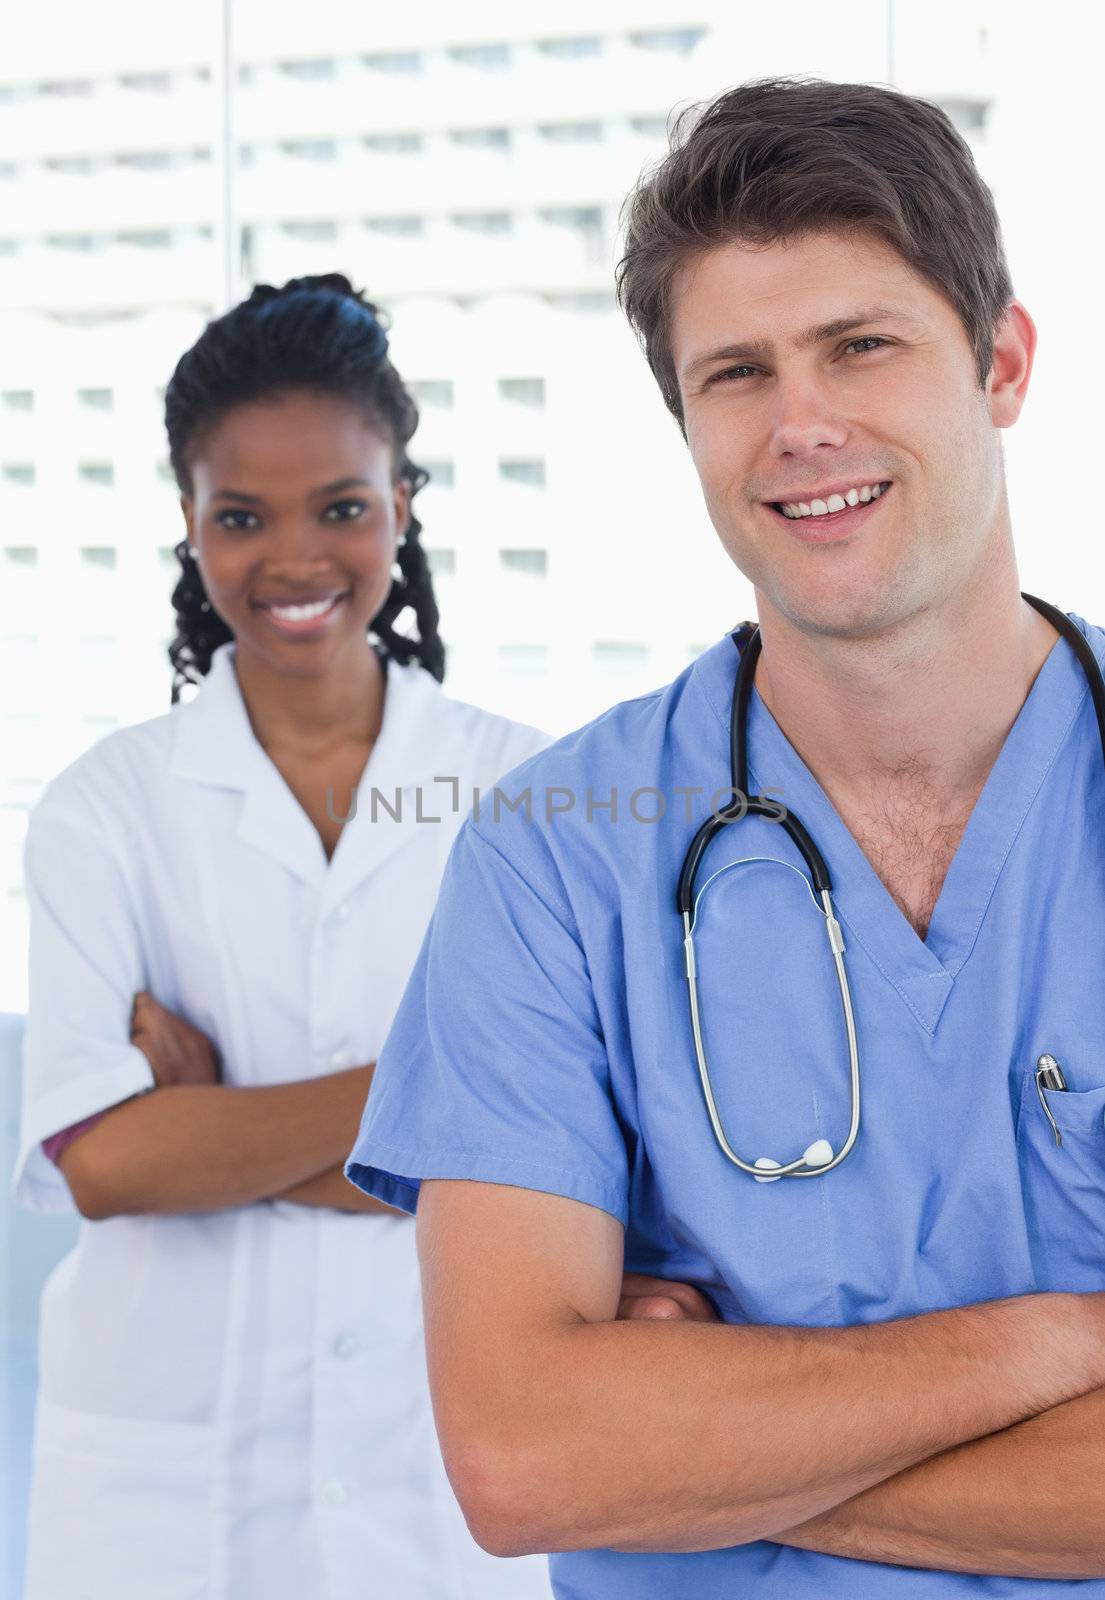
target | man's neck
[{"x": 927, "y": 702}]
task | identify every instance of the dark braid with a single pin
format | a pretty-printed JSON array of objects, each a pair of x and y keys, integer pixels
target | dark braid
[{"x": 318, "y": 334}]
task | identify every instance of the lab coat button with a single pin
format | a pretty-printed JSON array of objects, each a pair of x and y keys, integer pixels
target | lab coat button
[
  {"x": 334, "y": 1493},
  {"x": 341, "y": 913},
  {"x": 339, "y": 1059},
  {"x": 346, "y": 1345}
]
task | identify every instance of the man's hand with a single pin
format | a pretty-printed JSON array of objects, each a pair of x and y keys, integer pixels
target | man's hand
[
  {"x": 177, "y": 1052},
  {"x": 658, "y": 1300}
]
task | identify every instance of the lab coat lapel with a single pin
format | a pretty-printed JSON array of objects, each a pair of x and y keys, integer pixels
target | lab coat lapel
[
  {"x": 404, "y": 785},
  {"x": 216, "y": 745}
]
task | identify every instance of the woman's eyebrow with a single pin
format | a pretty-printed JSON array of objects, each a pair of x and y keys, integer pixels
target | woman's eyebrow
[
  {"x": 237, "y": 494},
  {"x": 344, "y": 483}
]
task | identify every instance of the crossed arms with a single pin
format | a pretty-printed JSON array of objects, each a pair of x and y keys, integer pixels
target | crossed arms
[{"x": 968, "y": 1440}]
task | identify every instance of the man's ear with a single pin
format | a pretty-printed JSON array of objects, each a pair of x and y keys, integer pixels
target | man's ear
[{"x": 1014, "y": 350}]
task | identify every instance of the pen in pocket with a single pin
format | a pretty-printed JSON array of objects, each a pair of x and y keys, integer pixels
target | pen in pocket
[{"x": 1049, "y": 1075}]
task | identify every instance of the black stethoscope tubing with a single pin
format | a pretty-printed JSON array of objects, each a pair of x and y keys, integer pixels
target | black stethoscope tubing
[{"x": 820, "y": 1157}]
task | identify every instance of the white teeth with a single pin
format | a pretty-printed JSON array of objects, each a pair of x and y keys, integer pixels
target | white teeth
[
  {"x": 302, "y": 613},
  {"x": 833, "y": 503}
]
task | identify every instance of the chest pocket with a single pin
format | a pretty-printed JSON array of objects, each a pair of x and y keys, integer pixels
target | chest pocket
[{"x": 1064, "y": 1186}]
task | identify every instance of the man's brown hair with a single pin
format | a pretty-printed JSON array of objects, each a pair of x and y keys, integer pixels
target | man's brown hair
[{"x": 776, "y": 158}]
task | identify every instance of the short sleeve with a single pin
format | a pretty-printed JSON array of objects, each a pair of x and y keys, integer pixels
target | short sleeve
[
  {"x": 495, "y": 1068},
  {"x": 85, "y": 967}
]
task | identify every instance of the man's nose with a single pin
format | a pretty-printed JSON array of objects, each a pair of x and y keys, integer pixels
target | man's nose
[{"x": 804, "y": 417}]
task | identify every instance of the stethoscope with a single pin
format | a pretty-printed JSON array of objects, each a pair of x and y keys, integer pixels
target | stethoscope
[{"x": 820, "y": 1157}]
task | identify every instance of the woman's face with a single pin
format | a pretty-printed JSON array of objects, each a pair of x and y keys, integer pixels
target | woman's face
[{"x": 296, "y": 518}]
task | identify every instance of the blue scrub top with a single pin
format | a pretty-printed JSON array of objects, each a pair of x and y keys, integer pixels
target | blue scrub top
[{"x": 544, "y": 1041}]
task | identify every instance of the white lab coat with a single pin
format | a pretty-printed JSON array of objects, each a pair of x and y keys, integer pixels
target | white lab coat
[{"x": 234, "y": 1405}]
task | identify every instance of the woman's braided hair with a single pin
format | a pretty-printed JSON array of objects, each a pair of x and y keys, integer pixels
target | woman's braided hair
[{"x": 317, "y": 334}]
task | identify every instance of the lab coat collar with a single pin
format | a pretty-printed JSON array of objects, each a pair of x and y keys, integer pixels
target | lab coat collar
[{"x": 418, "y": 742}]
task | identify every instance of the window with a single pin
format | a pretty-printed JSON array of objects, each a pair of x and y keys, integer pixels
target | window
[
  {"x": 165, "y": 472},
  {"x": 396, "y": 227},
  {"x": 317, "y": 232},
  {"x": 523, "y": 660},
  {"x": 534, "y": 563},
  {"x": 650, "y": 127},
  {"x": 148, "y": 82},
  {"x": 523, "y": 391},
  {"x": 18, "y": 649},
  {"x": 148, "y": 160},
  {"x": 18, "y": 399},
  {"x": 487, "y": 56},
  {"x": 571, "y": 132},
  {"x": 485, "y": 222},
  {"x": 442, "y": 473},
  {"x": 585, "y": 219},
  {"x": 310, "y": 149},
  {"x": 96, "y": 399},
  {"x": 21, "y": 472},
  {"x": 20, "y": 557},
  {"x": 968, "y": 115},
  {"x": 577, "y": 49},
  {"x": 588, "y": 302},
  {"x": 619, "y": 657},
  {"x": 101, "y": 472},
  {"x": 75, "y": 166},
  {"x": 167, "y": 556},
  {"x": 9, "y": 247},
  {"x": 481, "y": 138},
  {"x": 78, "y": 243},
  {"x": 394, "y": 144},
  {"x": 66, "y": 89},
  {"x": 8, "y": 169},
  {"x": 309, "y": 71},
  {"x": 147, "y": 238},
  {"x": 529, "y": 471},
  {"x": 400, "y": 62},
  {"x": 443, "y": 563},
  {"x": 97, "y": 652},
  {"x": 675, "y": 41},
  {"x": 98, "y": 557},
  {"x": 433, "y": 393}
]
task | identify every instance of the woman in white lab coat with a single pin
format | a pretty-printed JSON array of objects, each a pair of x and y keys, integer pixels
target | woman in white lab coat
[{"x": 225, "y": 903}]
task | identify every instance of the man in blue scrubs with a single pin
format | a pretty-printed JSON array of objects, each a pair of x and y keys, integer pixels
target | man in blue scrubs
[{"x": 904, "y": 1392}]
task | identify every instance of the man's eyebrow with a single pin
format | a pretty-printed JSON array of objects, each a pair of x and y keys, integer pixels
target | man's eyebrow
[{"x": 763, "y": 349}]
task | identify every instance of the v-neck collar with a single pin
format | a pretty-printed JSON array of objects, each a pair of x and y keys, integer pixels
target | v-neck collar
[
  {"x": 215, "y": 744},
  {"x": 923, "y": 972}
]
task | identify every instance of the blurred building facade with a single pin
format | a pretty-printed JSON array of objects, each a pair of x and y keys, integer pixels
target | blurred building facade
[{"x": 467, "y": 170}]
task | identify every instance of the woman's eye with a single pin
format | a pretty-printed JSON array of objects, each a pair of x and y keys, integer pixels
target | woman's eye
[
  {"x": 344, "y": 511},
  {"x": 236, "y": 521}
]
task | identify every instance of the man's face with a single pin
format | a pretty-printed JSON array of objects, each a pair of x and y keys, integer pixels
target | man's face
[{"x": 772, "y": 416}]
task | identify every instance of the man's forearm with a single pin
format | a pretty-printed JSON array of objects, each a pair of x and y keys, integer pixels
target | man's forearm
[{"x": 1028, "y": 1502}]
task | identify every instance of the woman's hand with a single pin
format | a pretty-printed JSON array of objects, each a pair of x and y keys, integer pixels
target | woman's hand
[
  {"x": 177, "y": 1052},
  {"x": 658, "y": 1300}
]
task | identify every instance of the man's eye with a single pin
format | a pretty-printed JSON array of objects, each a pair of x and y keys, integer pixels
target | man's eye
[
  {"x": 728, "y": 372},
  {"x": 237, "y": 521},
  {"x": 866, "y": 338},
  {"x": 344, "y": 511}
]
